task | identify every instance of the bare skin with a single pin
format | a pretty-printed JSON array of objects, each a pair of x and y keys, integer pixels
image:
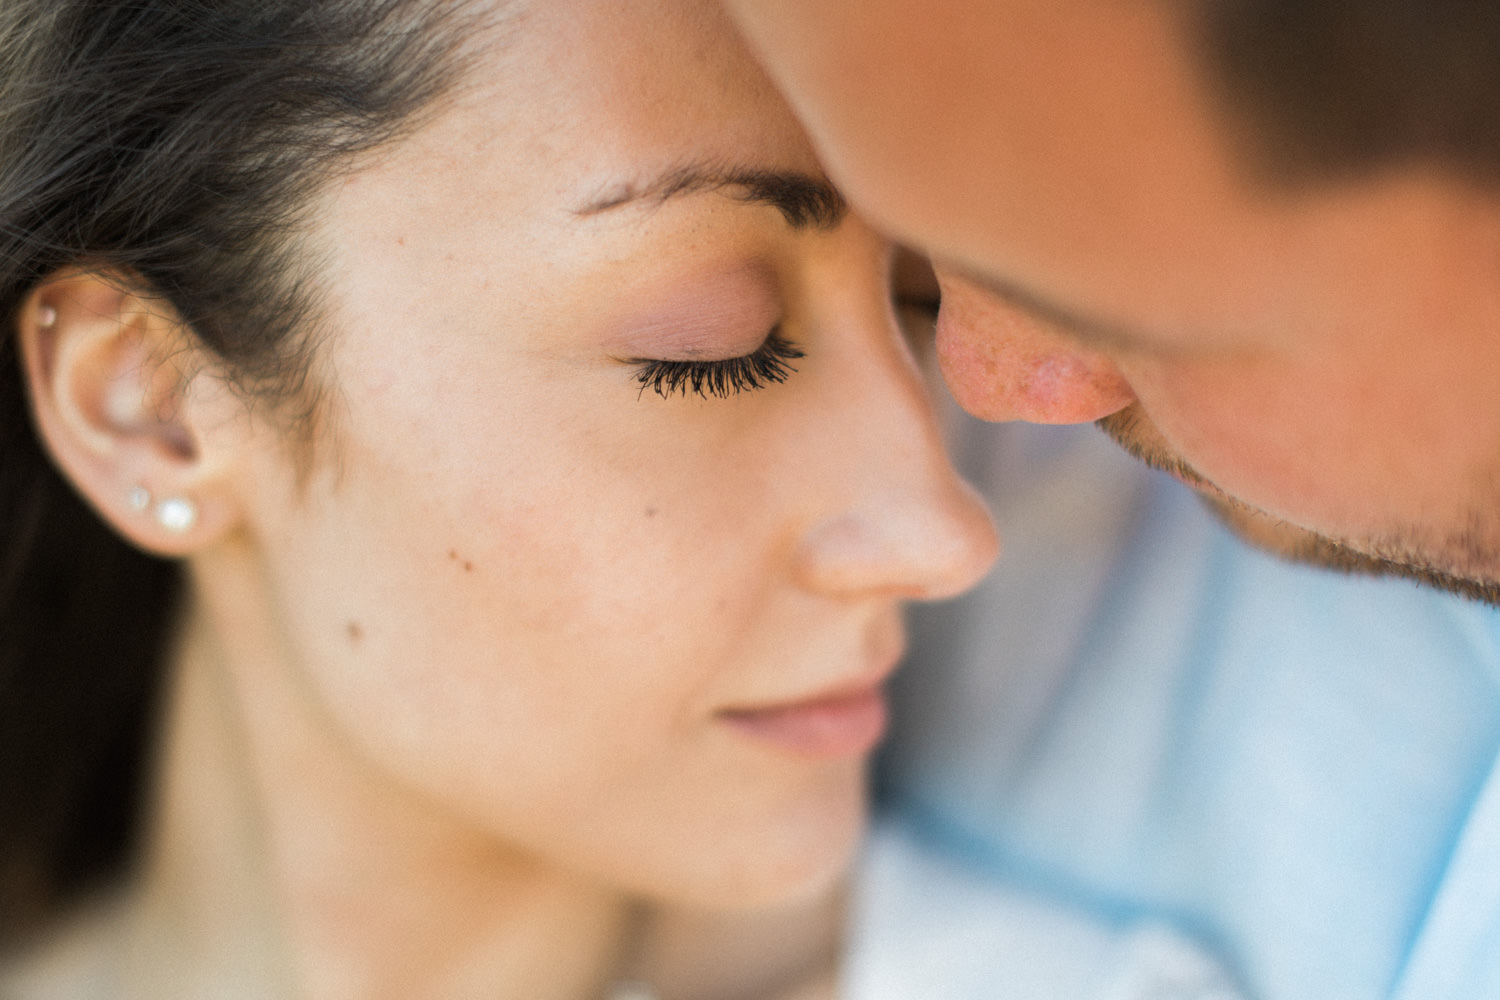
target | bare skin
[
  {"x": 1323, "y": 357},
  {"x": 544, "y": 674}
]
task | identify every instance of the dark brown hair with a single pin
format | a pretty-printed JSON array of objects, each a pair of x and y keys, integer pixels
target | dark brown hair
[
  {"x": 1329, "y": 89},
  {"x": 177, "y": 142}
]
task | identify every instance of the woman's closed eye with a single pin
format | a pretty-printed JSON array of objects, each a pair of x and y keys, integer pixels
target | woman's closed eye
[{"x": 721, "y": 378}]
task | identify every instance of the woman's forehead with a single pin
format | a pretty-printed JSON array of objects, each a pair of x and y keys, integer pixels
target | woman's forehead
[
  {"x": 588, "y": 88},
  {"x": 570, "y": 149}
]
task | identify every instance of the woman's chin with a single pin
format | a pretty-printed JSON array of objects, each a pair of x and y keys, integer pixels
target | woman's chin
[{"x": 785, "y": 862}]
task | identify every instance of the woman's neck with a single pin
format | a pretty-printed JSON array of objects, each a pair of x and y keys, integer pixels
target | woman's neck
[
  {"x": 293, "y": 870},
  {"x": 279, "y": 864}
]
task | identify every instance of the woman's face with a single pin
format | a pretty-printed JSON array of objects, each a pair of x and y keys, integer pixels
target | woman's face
[{"x": 629, "y": 631}]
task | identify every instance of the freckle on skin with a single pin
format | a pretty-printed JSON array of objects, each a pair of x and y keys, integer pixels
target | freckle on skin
[
  {"x": 356, "y": 632},
  {"x": 650, "y": 511}
]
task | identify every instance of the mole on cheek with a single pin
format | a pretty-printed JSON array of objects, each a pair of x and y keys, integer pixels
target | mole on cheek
[
  {"x": 651, "y": 511},
  {"x": 453, "y": 556},
  {"x": 356, "y": 632}
]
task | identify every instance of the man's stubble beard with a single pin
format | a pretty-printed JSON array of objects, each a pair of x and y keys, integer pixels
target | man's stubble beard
[{"x": 1295, "y": 544}]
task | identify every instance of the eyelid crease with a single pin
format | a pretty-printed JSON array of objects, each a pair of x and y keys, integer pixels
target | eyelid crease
[
  {"x": 721, "y": 378},
  {"x": 723, "y": 304}
]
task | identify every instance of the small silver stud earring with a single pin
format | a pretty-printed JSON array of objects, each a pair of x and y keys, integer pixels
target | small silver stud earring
[
  {"x": 46, "y": 316},
  {"x": 177, "y": 514},
  {"x": 140, "y": 499}
]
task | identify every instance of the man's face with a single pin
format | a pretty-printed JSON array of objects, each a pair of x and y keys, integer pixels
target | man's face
[{"x": 1327, "y": 355}]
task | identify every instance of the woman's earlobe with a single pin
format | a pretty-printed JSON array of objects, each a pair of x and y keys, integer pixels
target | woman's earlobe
[{"x": 110, "y": 376}]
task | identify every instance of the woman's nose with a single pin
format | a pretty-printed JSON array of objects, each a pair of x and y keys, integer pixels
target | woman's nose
[
  {"x": 905, "y": 524},
  {"x": 1003, "y": 364}
]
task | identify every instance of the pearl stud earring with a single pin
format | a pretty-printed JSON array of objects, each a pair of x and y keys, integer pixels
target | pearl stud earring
[{"x": 176, "y": 514}]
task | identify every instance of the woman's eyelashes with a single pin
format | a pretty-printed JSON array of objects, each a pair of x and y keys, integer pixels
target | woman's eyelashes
[{"x": 768, "y": 365}]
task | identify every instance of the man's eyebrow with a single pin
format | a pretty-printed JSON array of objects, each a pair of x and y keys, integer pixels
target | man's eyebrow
[
  {"x": 1087, "y": 330},
  {"x": 806, "y": 201}
]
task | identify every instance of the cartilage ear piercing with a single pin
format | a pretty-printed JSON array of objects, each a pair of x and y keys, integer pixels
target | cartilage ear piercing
[
  {"x": 46, "y": 316},
  {"x": 140, "y": 499},
  {"x": 176, "y": 514}
]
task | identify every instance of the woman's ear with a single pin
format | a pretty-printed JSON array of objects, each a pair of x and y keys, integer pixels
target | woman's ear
[{"x": 122, "y": 399}]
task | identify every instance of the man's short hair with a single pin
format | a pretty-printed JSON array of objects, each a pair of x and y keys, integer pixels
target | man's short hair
[{"x": 1320, "y": 89}]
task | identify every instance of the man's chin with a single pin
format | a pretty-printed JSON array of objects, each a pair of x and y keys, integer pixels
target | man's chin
[
  {"x": 1309, "y": 548},
  {"x": 1133, "y": 432}
]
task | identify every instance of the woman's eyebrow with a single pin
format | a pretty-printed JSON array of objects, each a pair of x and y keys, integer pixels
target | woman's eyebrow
[{"x": 806, "y": 201}]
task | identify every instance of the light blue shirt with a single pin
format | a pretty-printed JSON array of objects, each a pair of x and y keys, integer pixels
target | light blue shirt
[
  {"x": 1140, "y": 718},
  {"x": 923, "y": 924}
]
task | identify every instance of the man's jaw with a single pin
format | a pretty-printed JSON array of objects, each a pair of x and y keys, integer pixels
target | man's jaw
[{"x": 1131, "y": 430}]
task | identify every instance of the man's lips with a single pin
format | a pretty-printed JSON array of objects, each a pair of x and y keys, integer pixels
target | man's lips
[{"x": 844, "y": 724}]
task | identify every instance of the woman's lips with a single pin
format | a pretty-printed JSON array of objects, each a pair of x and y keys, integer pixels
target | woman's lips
[{"x": 835, "y": 726}]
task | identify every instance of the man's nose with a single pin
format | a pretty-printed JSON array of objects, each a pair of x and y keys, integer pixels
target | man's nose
[{"x": 1004, "y": 364}]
